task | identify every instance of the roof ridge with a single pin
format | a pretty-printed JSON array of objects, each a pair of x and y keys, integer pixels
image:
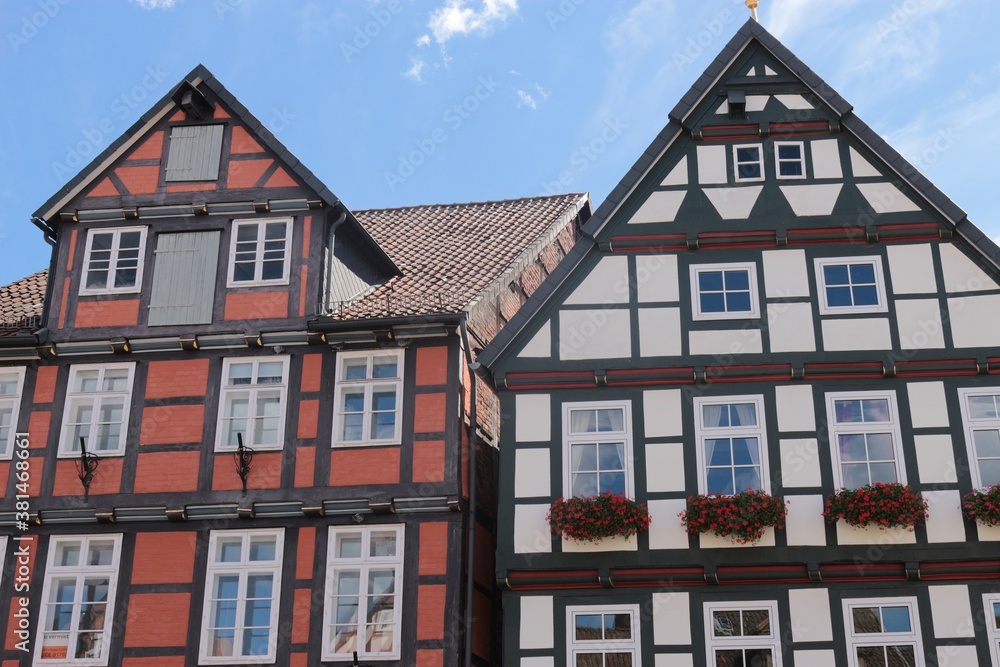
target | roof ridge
[{"x": 472, "y": 203}]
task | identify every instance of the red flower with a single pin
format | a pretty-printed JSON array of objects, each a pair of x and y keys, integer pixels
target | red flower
[
  {"x": 983, "y": 506},
  {"x": 884, "y": 505},
  {"x": 743, "y": 517},
  {"x": 592, "y": 519}
]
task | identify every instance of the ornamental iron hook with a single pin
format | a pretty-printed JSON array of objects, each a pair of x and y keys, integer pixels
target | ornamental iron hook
[
  {"x": 86, "y": 467},
  {"x": 244, "y": 461}
]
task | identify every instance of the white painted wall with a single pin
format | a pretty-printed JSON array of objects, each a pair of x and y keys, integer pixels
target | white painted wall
[
  {"x": 540, "y": 345},
  {"x": 800, "y": 466},
  {"x": 678, "y": 175},
  {"x": 861, "y": 167},
  {"x": 869, "y": 535},
  {"x": 595, "y": 334},
  {"x": 537, "y": 621},
  {"x": 809, "y": 609},
  {"x": 816, "y": 658},
  {"x": 856, "y": 334},
  {"x": 805, "y": 524},
  {"x": 660, "y": 206},
  {"x": 662, "y": 413},
  {"x": 732, "y": 341},
  {"x": 944, "y": 521},
  {"x": 666, "y": 531},
  {"x": 958, "y": 656},
  {"x": 826, "y": 158},
  {"x": 659, "y": 332},
  {"x": 671, "y": 619},
  {"x": 935, "y": 459},
  {"x": 951, "y": 611},
  {"x": 919, "y": 322},
  {"x": 928, "y": 408},
  {"x": 606, "y": 283},
  {"x": 961, "y": 274},
  {"x": 711, "y": 165},
  {"x": 975, "y": 320},
  {"x": 664, "y": 467},
  {"x": 656, "y": 278},
  {"x": 673, "y": 660},
  {"x": 532, "y": 534},
  {"x": 911, "y": 268},
  {"x": 532, "y": 476},
  {"x": 785, "y": 273},
  {"x": 617, "y": 543},
  {"x": 790, "y": 327},
  {"x": 533, "y": 414},
  {"x": 886, "y": 198},
  {"x": 795, "y": 407},
  {"x": 813, "y": 199},
  {"x": 734, "y": 203}
]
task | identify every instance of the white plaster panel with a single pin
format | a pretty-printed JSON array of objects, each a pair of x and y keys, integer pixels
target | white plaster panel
[
  {"x": 712, "y": 165},
  {"x": 659, "y": 207},
  {"x": 805, "y": 524},
  {"x": 988, "y": 533},
  {"x": 538, "y": 661},
  {"x": 607, "y": 282},
  {"x": 944, "y": 520},
  {"x": 659, "y": 332},
  {"x": 534, "y": 418},
  {"x": 826, "y": 159},
  {"x": 856, "y": 334},
  {"x": 671, "y": 619},
  {"x": 734, "y": 203},
  {"x": 958, "y": 656},
  {"x": 809, "y": 609},
  {"x": 756, "y": 102},
  {"x": 795, "y": 408},
  {"x": 666, "y": 531},
  {"x": 816, "y": 658},
  {"x": 951, "y": 612},
  {"x": 935, "y": 459},
  {"x": 540, "y": 345},
  {"x": 678, "y": 175},
  {"x": 664, "y": 467},
  {"x": 807, "y": 200},
  {"x": 919, "y": 322},
  {"x": 532, "y": 534},
  {"x": 869, "y": 535},
  {"x": 912, "y": 269},
  {"x": 886, "y": 198},
  {"x": 785, "y": 273},
  {"x": 794, "y": 101},
  {"x": 673, "y": 660},
  {"x": 961, "y": 274},
  {"x": 861, "y": 167},
  {"x": 790, "y": 327},
  {"x": 769, "y": 72},
  {"x": 733, "y": 341},
  {"x": 616, "y": 543},
  {"x": 800, "y": 466},
  {"x": 713, "y": 541},
  {"x": 928, "y": 408},
  {"x": 656, "y": 278},
  {"x": 662, "y": 412},
  {"x": 531, "y": 473},
  {"x": 595, "y": 334},
  {"x": 975, "y": 320},
  {"x": 537, "y": 622}
]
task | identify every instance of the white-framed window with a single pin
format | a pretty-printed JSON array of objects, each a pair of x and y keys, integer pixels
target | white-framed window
[
  {"x": 864, "y": 438},
  {"x": 260, "y": 252},
  {"x": 97, "y": 408},
  {"x": 850, "y": 285},
  {"x": 603, "y": 636},
  {"x": 883, "y": 631},
  {"x": 364, "y": 591},
  {"x": 981, "y": 416},
  {"x": 724, "y": 291},
  {"x": 748, "y": 162},
  {"x": 369, "y": 398},
  {"x": 78, "y": 600},
  {"x": 597, "y": 448},
  {"x": 252, "y": 402},
  {"x": 789, "y": 160},
  {"x": 991, "y": 602},
  {"x": 11, "y": 386},
  {"x": 732, "y": 444},
  {"x": 242, "y": 590},
  {"x": 742, "y": 633},
  {"x": 112, "y": 263}
]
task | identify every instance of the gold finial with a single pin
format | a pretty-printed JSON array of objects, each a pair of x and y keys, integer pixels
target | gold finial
[{"x": 752, "y": 4}]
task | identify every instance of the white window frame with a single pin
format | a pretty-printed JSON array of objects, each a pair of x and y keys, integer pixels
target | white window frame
[
  {"x": 736, "y": 163},
  {"x": 749, "y": 267},
  {"x": 14, "y": 402},
  {"x": 574, "y": 646},
  {"x": 971, "y": 425},
  {"x": 259, "y": 253},
  {"x": 244, "y": 568},
  {"x": 81, "y": 572},
  {"x": 703, "y": 433},
  {"x": 569, "y": 439},
  {"x": 825, "y": 309},
  {"x": 778, "y": 161},
  {"x": 365, "y": 563},
  {"x": 369, "y": 384},
  {"x": 68, "y": 449},
  {"x": 855, "y": 641},
  {"x": 252, "y": 389},
  {"x": 835, "y": 429},
  {"x": 992, "y": 631},
  {"x": 113, "y": 262},
  {"x": 742, "y": 642}
]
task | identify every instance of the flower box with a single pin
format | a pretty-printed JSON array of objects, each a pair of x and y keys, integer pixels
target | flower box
[
  {"x": 742, "y": 518},
  {"x": 983, "y": 507},
  {"x": 880, "y": 505},
  {"x": 599, "y": 517}
]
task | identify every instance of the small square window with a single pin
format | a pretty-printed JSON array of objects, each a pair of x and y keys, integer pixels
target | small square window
[
  {"x": 603, "y": 636},
  {"x": 748, "y": 161},
  {"x": 113, "y": 261},
  {"x": 724, "y": 292},
  {"x": 883, "y": 632},
  {"x": 850, "y": 285},
  {"x": 789, "y": 160},
  {"x": 260, "y": 252}
]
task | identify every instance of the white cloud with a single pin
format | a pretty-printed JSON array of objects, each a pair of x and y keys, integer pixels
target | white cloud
[
  {"x": 416, "y": 71},
  {"x": 154, "y": 4},
  {"x": 542, "y": 92},
  {"x": 423, "y": 40},
  {"x": 641, "y": 26},
  {"x": 456, "y": 18},
  {"x": 526, "y": 100}
]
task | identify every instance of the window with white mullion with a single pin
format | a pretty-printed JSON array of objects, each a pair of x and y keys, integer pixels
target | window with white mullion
[
  {"x": 732, "y": 446},
  {"x": 603, "y": 636},
  {"x": 742, "y": 633},
  {"x": 790, "y": 160},
  {"x": 97, "y": 409},
  {"x": 368, "y": 398},
  {"x": 724, "y": 291},
  {"x": 865, "y": 439},
  {"x": 260, "y": 252},
  {"x": 991, "y": 602},
  {"x": 598, "y": 448},
  {"x": 11, "y": 386},
  {"x": 883, "y": 631},
  {"x": 253, "y": 403},
  {"x": 113, "y": 260},
  {"x": 981, "y": 416},
  {"x": 748, "y": 162},
  {"x": 850, "y": 285}
]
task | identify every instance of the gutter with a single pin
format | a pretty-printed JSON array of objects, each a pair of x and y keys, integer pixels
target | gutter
[{"x": 470, "y": 576}]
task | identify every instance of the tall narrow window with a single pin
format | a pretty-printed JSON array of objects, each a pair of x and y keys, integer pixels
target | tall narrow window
[
  {"x": 97, "y": 409},
  {"x": 242, "y": 588},
  {"x": 748, "y": 162},
  {"x": 113, "y": 261},
  {"x": 849, "y": 285},
  {"x": 260, "y": 251},
  {"x": 78, "y": 599},
  {"x": 864, "y": 438},
  {"x": 883, "y": 632},
  {"x": 368, "y": 398},
  {"x": 744, "y": 633},
  {"x": 732, "y": 447},
  {"x": 597, "y": 441},
  {"x": 252, "y": 403},
  {"x": 981, "y": 414},
  {"x": 789, "y": 160},
  {"x": 603, "y": 636},
  {"x": 11, "y": 385},
  {"x": 364, "y": 589}
]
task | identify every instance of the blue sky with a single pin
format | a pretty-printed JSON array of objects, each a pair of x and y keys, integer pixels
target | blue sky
[{"x": 402, "y": 102}]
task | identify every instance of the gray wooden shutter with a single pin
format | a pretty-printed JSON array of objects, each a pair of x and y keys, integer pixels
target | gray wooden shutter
[
  {"x": 194, "y": 153},
  {"x": 184, "y": 278}
]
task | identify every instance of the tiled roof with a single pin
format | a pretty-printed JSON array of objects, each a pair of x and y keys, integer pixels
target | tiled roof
[{"x": 21, "y": 305}]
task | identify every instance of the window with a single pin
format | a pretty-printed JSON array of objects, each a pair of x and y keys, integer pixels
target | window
[
  {"x": 113, "y": 261},
  {"x": 369, "y": 398},
  {"x": 864, "y": 438},
  {"x": 252, "y": 403},
  {"x": 992, "y": 604},
  {"x": 789, "y": 160},
  {"x": 598, "y": 447},
  {"x": 259, "y": 254},
  {"x": 724, "y": 291},
  {"x": 749, "y": 163},
  {"x": 850, "y": 285},
  {"x": 732, "y": 447},
  {"x": 981, "y": 415},
  {"x": 97, "y": 407},
  {"x": 78, "y": 599},
  {"x": 194, "y": 153},
  {"x": 11, "y": 385},
  {"x": 744, "y": 633},
  {"x": 364, "y": 589},
  {"x": 603, "y": 636},
  {"x": 883, "y": 632},
  {"x": 242, "y": 585}
]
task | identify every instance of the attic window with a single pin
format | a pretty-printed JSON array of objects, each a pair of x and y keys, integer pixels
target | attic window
[{"x": 194, "y": 153}]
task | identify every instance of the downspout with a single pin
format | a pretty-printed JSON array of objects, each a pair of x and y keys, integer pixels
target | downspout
[{"x": 470, "y": 577}]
